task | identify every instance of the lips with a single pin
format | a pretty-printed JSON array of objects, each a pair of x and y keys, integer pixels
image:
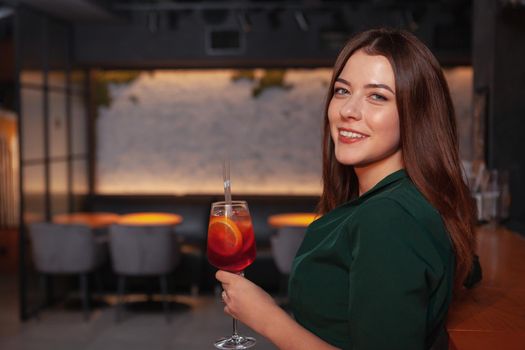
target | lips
[{"x": 346, "y": 135}]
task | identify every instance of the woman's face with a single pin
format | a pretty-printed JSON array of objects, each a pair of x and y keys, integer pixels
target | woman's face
[{"x": 364, "y": 123}]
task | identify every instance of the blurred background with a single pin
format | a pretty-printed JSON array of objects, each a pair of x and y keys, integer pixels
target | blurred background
[{"x": 111, "y": 108}]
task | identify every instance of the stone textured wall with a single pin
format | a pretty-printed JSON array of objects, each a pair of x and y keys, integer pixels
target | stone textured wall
[{"x": 168, "y": 131}]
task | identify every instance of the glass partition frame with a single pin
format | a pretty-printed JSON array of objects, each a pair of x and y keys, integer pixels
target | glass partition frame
[{"x": 43, "y": 69}]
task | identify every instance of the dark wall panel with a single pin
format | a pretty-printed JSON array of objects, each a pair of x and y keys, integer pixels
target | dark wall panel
[
  {"x": 499, "y": 73},
  {"x": 507, "y": 107}
]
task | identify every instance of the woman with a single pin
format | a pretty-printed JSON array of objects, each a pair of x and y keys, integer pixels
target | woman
[{"x": 377, "y": 271}]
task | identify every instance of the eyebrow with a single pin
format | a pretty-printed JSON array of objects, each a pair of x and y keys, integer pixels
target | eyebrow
[{"x": 368, "y": 86}]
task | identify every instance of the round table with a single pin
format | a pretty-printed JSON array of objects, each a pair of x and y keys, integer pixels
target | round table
[
  {"x": 94, "y": 220},
  {"x": 150, "y": 219},
  {"x": 292, "y": 219}
]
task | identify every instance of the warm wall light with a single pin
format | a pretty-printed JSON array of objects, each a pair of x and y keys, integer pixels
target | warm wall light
[{"x": 9, "y": 169}]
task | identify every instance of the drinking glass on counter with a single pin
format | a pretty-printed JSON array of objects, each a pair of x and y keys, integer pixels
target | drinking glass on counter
[
  {"x": 491, "y": 190},
  {"x": 490, "y": 195}
]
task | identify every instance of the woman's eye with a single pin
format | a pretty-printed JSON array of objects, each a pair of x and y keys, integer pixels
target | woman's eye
[
  {"x": 340, "y": 91},
  {"x": 377, "y": 97}
]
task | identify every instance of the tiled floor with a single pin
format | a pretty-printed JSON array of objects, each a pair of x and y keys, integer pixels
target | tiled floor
[{"x": 196, "y": 323}]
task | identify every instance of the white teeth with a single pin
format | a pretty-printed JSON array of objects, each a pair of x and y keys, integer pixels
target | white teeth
[{"x": 350, "y": 134}]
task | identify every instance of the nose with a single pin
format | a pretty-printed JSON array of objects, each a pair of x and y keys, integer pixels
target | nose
[{"x": 351, "y": 108}]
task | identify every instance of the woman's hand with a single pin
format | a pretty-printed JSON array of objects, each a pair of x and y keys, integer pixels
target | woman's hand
[
  {"x": 246, "y": 301},
  {"x": 255, "y": 308}
]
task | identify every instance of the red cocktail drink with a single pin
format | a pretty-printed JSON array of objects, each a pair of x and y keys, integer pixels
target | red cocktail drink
[
  {"x": 231, "y": 247},
  {"x": 231, "y": 242}
]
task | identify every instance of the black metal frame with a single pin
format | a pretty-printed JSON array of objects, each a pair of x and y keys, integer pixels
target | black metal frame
[{"x": 25, "y": 311}]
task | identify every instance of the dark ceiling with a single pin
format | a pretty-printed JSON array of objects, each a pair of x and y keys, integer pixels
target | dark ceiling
[
  {"x": 148, "y": 33},
  {"x": 107, "y": 10}
]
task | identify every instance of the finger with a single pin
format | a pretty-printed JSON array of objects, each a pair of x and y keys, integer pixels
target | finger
[
  {"x": 224, "y": 277},
  {"x": 221, "y": 276},
  {"x": 224, "y": 296}
]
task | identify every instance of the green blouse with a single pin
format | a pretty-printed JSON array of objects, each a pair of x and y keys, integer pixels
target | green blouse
[{"x": 376, "y": 272}]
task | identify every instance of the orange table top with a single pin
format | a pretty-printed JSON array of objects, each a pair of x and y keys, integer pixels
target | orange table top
[
  {"x": 492, "y": 314},
  {"x": 93, "y": 220},
  {"x": 150, "y": 219},
  {"x": 291, "y": 220}
]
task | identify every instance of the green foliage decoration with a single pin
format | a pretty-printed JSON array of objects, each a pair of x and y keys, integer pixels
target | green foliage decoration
[
  {"x": 248, "y": 74},
  {"x": 101, "y": 82},
  {"x": 271, "y": 78}
]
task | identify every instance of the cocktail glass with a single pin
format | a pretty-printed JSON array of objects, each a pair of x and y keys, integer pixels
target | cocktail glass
[{"x": 231, "y": 247}]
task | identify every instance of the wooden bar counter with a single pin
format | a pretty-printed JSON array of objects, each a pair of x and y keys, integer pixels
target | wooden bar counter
[{"x": 492, "y": 315}]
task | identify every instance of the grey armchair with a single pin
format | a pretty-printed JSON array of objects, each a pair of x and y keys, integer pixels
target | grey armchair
[
  {"x": 143, "y": 251},
  {"x": 67, "y": 249},
  {"x": 285, "y": 242}
]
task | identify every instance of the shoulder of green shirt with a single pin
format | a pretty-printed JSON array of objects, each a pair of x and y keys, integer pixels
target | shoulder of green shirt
[{"x": 403, "y": 215}]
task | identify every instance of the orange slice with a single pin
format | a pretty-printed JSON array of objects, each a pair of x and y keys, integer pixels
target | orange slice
[{"x": 224, "y": 237}]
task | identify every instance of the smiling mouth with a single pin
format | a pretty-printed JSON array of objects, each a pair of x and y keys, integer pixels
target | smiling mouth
[{"x": 350, "y": 136}]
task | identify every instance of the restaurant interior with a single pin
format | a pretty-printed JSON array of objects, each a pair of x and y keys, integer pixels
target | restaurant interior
[{"x": 115, "y": 121}]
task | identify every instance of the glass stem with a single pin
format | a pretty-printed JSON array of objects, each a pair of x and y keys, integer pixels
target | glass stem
[{"x": 235, "y": 335}]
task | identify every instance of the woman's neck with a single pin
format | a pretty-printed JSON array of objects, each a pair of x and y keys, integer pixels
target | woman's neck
[{"x": 369, "y": 175}]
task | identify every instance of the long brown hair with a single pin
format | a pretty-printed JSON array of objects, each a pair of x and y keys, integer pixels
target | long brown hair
[{"x": 428, "y": 137}]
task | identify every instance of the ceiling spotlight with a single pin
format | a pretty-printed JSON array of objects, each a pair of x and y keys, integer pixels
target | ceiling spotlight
[
  {"x": 302, "y": 22},
  {"x": 244, "y": 22}
]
